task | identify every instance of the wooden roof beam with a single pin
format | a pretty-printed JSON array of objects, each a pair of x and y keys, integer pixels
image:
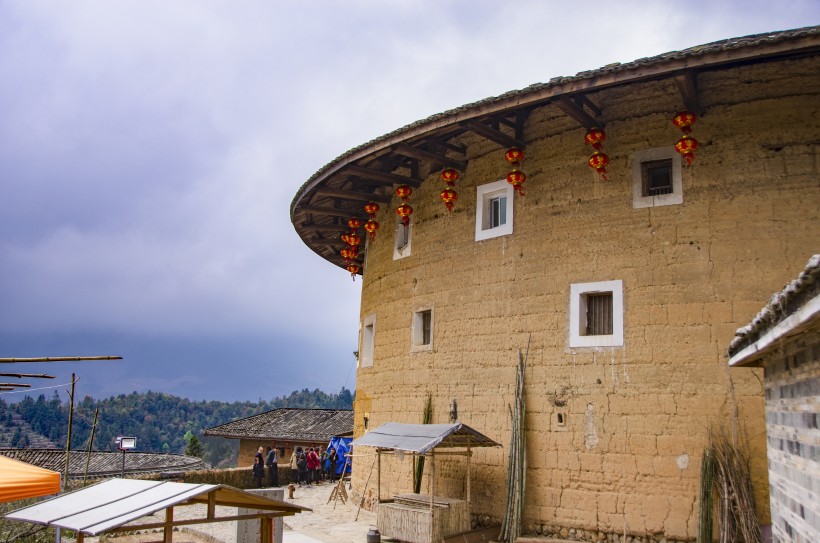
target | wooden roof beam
[
  {"x": 494, "y": 135},
  {"x": 385, "y": 178},
  {"x": 307, "y": 227},
  {"x": 351, "y": 195},
  {"x": 332, "y": 211},
  {"x": 687, "y": 85},
  {"x": 428, "y": 156},
  {"x": 438, "y": 142},
  {"x": 578, "y": 113}
]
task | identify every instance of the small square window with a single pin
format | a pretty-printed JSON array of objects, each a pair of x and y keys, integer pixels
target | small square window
[
  {"x": 422, "y": 331},
  {"x": 368, "y": 341},
  {"x": 656, "y": 178},
  {"x": 402, "y": 245},
  {"x": 596, "y": 314},
  {"x": 494, "y": 210}
]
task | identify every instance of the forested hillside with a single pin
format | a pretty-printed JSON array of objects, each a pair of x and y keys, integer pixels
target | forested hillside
[{"x": 158, "y": 421}]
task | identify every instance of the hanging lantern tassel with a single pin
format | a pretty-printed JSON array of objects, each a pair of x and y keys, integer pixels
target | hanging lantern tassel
[
  {"x": 448, "y": 196},
  {"x": 687, "y": 144},
  {"x": 353, "y": 268},
  {"x": 598, "y": 162}
]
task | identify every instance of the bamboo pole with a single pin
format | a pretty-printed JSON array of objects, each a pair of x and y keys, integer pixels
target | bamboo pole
[
  {"x": 378, "y": 476},
  {"x": 90, "y": 445},
  {"x": 56, "y": 359},
  {"x": 28, "y": 375},
  {"x": 70, "y": 421}
]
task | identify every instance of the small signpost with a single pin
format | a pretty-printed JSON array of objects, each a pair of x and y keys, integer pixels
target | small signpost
[{"x": 124, "y": 444}]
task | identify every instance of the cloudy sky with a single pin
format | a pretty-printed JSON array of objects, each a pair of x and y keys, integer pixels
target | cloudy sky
[{"x": 149, "y": 152}]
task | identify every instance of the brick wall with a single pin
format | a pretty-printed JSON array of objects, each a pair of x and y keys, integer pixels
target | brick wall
[
  {"x": 792, "y": 406},
  {"x": 627, "y": 458}
]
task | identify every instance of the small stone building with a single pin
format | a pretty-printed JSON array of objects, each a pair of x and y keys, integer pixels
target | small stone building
[
  {"x": 288, "y": 428},
  {"x": 784, "y": 339}
]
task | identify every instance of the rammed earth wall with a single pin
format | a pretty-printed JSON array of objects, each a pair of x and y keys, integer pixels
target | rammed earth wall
[{"x": 627, "y": 458}]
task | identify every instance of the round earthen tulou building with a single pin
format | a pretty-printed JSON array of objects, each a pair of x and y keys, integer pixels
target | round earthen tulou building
[{"x": 657, "y": 205}]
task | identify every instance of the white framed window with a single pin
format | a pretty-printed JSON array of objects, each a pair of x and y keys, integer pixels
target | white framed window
[
  {"x": 494, "y": 210},
  {"x": 421, "y": 333},
  {"x": 656, "y": 178},
  {"x": 596, "y": 314},
  {"x": 403, "y": 240},
  {"x": 368, "y": 341}
]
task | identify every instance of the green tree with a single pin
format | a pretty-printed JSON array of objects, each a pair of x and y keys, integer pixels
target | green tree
[{"x": 194, "y": 447}]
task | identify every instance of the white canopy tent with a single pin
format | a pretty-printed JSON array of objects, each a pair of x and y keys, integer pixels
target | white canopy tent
[{"x": 112, "y": 506}]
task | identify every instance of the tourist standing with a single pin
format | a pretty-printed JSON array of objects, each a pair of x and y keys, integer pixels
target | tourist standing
[
  {"x": 332, "y": 457},
  {"x": 272, "y": 461},
  {"x": 294, "y": 468},
  {"x": 258, "y": 471}
]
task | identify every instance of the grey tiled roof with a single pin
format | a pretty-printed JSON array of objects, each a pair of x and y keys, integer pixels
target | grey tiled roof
[
  {"x": 316, "y": 425},
  {"x": 780, "y": 305},
  {"x": 105, "y": 463},
  {"x": 590, "y": 80}
]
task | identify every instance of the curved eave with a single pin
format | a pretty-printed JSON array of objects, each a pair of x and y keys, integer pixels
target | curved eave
[{"x": 339, "y": 190}]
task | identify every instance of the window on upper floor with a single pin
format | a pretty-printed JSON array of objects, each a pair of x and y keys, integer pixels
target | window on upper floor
[
  {"x": 368, "y": 341},
  {"x": 494, "y": 210},
  {"x": 402, "y": 242},
  {"x": 596, "y": 314},
  {"x": 656, "y": 178},
  {"x": 422, "y": 330}
]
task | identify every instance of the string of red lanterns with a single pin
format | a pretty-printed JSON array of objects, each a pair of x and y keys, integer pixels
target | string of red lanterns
[
  {"x": 516, "y": 177},
  {"x": 687, "y": 145},
  {"x": 351, "y": 250},
  {"x": 449, "y": 195},
  {"x": 372, "y": 225},
  {"x": 404, "y": 210},
  {"x": 598, "y": 160}
]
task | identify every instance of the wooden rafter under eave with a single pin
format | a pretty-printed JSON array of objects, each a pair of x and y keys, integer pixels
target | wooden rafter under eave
[
  {"x": 351, "y": 195},
  {"x": 385, "y": 178},
  {"x": 428, "y": 156},
  {"x": 493, "y": 134},
  {"x": 687, "y": 85},
  {"x": 577, "y": 112}
]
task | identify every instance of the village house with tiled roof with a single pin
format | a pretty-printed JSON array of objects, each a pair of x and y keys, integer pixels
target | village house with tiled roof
[
  {"x": 617, "y": 226},
  {"x": 288, "y": 428},
  {"x": 104, "y": 464}
]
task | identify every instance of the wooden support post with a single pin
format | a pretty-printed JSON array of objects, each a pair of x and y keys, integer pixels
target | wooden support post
[
  {"x": 378, "y": 476},
  {"x": 168, "y": 530},
  {"x": 211, "y": 504},
  {"x": 469, "y": 454},
  {"x": 265, "y": 530},
  {"x": 432, "y": 479},
  {"x": 80, "y": 537}
]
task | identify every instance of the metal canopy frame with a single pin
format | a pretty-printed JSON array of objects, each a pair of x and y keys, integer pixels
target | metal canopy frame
[{"x": 113, "y": 505}]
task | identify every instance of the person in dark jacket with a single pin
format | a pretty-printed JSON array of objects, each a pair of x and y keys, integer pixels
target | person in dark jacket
[
  {"x": 332, "y": 458},
  {"x": 272, "y": 461},
  {"x": 258, "y": 471}
]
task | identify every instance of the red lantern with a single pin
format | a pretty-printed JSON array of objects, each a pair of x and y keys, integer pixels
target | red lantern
[
  {"x": 346, "y": 238},
  {"x": 514, "y": 155},
  {"x": 353, "y": 239},
  {"x": 449, "y": 176},
  {"x": 686, "y": 146},
  {"x": 371, "y": 208},
  {"x": 404, "y": 211},
  {"x": 595, "y": 137},
  {"x": 598, "y": 162},
  {"x": 354, "y": 223},
  {"x": 448, "y": 196},
  {"x": 349, "y": 253},
  {"x": 403, "y": 191},
  {"x": 516, "y": 178},
  {"x": 371, "y": 227},
  {"x": 684, "y": 120},
  {"x": 353, "y": 268}
]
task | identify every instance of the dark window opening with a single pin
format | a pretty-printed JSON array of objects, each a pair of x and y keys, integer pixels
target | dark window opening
[
  {"x": 656, "y": 177},
  {"x": 598, "y": 314},
  {"x": 426, "y": 326}
]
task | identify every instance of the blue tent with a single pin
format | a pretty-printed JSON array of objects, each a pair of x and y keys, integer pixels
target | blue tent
[{"x": 342, "y": 446}]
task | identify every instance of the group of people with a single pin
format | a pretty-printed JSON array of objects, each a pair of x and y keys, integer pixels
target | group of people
[
  {"x": 311, "y": 466},
  {"x": 260, "y": 460}
]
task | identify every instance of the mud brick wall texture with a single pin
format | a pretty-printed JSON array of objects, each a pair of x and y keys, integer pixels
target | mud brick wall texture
[
  {"x": 792, "y": 403},
  {"x": 625, "y": 458}
]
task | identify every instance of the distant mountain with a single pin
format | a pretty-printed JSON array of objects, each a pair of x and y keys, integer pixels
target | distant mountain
[{"x": 158, "y": 421}]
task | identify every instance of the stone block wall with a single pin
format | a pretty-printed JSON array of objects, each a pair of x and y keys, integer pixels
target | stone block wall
[
  {"x": 792, "y": 407},
  {"x": 626, "y": 458}
]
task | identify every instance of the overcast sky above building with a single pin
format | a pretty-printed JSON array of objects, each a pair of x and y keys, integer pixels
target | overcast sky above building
[{"x": 149, "y": 152}]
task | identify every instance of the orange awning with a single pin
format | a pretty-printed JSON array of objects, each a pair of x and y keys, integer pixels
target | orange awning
[{"x": 19, "y": 480}]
